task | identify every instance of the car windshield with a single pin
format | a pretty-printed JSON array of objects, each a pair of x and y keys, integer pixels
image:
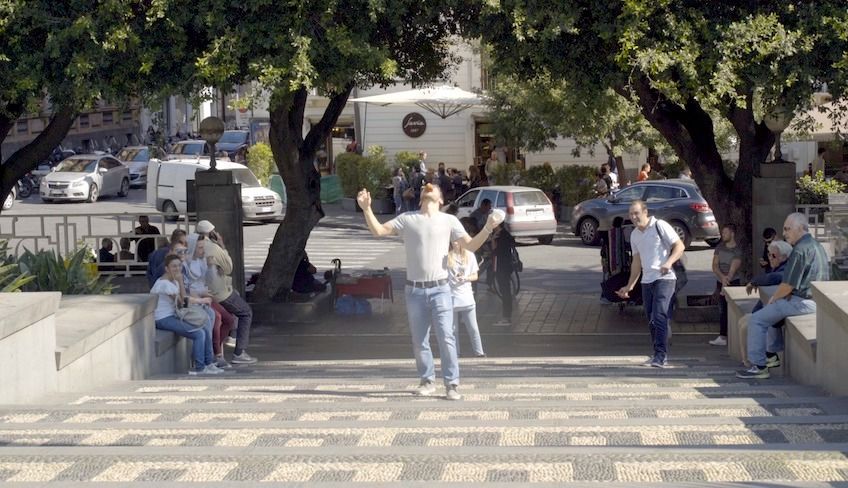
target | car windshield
[
  {"x": 74, "y": 165},
  {"x": 129, "y": 154},
  {"x": 245, "y": 177},
  {"x": 190, "y": 148},
  {"x": 236, "y": 137}
]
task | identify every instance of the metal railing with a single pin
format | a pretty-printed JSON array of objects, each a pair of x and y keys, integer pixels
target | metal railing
[{"x": 65, "y": 233}]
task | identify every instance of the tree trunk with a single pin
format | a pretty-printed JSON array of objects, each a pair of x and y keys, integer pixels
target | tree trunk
[
  {"x": 294, "y": 156},
  {"x": 27, "y": 158},
  {"x": 689, "y": 131}
]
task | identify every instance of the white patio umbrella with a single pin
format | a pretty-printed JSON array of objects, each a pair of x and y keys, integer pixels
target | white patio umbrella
[{"x": 442, "y": 100}]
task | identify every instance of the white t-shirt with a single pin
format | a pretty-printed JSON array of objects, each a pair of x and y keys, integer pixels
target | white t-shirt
[
  {"x": 653, "y": 248},
  {"x": 166, "y": 291},
  {"x": 462, "y": 293},
  {"x": 427, "y": 240},
  {"x": 614, "y": 179}
]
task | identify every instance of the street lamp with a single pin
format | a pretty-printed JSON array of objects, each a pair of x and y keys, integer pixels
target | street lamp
[
  {"x": 211, "y": 130},
  {"x": 777, "y": 120}
]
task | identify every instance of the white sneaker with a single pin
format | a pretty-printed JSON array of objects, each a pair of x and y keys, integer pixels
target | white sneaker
[
  {"x": 208, "y": 370},
  {"x": 222, "y": 363},
  {"x": 230, "y": 342},
  {"x": 214, "y": 368},
  {"x": 425, "y": 388},
  {"x": 244, "y": 358},
  {"x": 719, "y": 341}
]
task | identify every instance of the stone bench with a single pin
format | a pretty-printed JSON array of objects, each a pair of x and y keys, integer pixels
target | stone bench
[
  {"x": 799, "y": 358},
  {"x": 308, "y": 311},
  {"x": 831, "y": 299},
  {"x": 739, "y": 303}
]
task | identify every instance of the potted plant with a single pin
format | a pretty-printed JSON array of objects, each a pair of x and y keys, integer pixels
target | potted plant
[
  {"x": 575, "y": 184},
  {"x": 370, "y": 172}
]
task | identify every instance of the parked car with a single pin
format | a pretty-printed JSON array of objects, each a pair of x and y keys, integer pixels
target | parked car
[
  {"x": 136, "y": 158},
  {"x": 529, "y": 213},
  {"x": 188, "y": 149},
  {"x": 166, "y": 188},
  {"x": 235, "y": 144},
  {"x": 9, "y": 202},
  {"x": 678, "y": 202},
  {"x": 85, "y": 177}
]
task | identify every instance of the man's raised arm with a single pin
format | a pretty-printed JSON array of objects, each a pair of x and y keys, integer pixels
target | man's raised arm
[
  {"x": 363, "y": 198},
  {"x": 472, "y": 244}
]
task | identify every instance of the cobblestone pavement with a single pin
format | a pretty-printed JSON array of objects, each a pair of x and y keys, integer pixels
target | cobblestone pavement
[{"x": 531, "y": 420}]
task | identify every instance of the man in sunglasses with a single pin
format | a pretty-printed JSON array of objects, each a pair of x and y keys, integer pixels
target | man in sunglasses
[{"x": 807, "y": 263}]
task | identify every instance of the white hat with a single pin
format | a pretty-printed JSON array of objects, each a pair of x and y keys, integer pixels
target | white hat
[{"x": 204, "y": 227}]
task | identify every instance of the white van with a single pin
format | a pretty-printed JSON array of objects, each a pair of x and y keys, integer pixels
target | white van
[{"x": 166, "y": 187}]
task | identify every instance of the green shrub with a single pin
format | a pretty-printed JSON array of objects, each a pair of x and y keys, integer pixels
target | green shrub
[
  {"x": 12, "y": 279},
  {"x": 72, "y": 275},
  {"x": 576, "y": 182},
  {"x": 506, "y": 174},
  {"x": 357, "y": 172},
  {"x": 814, "y": 190},
  {"x": 260, "y": 160},
  {"x": 541, "y": 177},
  {"x": 406, "y": 160}
]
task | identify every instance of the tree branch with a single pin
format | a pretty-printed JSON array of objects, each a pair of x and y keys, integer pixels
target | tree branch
[{"x": 331, "y": 115}]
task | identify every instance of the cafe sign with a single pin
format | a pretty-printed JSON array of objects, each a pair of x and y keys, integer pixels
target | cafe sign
[{"x": 414, "y": 125}]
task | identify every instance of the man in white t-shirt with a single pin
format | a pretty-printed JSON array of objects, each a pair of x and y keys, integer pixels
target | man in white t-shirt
[
  {"x": 656, "y": 247},
  {"x": 427, "y": 235}
]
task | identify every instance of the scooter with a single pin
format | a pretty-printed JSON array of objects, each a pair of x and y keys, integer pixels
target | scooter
[{"x": 27, "y": 185}]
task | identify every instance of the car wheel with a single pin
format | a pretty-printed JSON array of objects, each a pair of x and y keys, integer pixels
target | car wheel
[
  {"x": 546, "y": 240},
  {"x": 169, "y": 208},
  {"x": 713, "y": 242},
  {"x": 93, "y": 193},
  {"x": 125, "y": 188},
  {"x": 682, "y": 232},
  {"x": 9, "y": 201},
  {"x": 588, "y": 228}
]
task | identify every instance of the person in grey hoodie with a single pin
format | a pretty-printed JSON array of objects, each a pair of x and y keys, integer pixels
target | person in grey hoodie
[
  {"x": 195, "y": 268},
  {"x": 220, "y": 282}
]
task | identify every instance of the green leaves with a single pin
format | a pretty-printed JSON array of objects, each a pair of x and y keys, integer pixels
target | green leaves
[{"x": 72, "y": 275}]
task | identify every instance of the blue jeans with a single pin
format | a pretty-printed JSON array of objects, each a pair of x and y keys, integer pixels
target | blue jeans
[
  {"x": 762, "y": 337},
  {"x": 200, "y": 337},
  {"x": 656, "y": 297},
  {"x": 426, "y": 306},
  {"x": 468, "y": 315}
]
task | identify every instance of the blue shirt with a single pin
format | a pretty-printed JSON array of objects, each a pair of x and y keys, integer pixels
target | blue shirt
[{"x": 156, "y": 264}]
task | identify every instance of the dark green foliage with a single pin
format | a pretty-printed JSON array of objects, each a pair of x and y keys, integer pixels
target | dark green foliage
[{"x": 73, "y": 275}]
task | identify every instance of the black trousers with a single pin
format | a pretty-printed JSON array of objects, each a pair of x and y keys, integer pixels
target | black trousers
[{"x": 505, "y": 287}]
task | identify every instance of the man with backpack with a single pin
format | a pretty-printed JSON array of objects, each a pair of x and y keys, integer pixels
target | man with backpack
[{"x": 656, "y": 248}]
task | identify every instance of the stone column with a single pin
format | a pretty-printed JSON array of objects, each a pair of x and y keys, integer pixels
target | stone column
[
  {"x": 217, "y": 198},
  {"x": 773, "y": 199}
]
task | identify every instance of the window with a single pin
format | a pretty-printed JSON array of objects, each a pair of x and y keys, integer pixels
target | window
[
  {"x": 108, "y": 118},
  {"x": 656, "y": 193},
  {"x": 468, "y": 199},
  {"x": 527, "y": 198},
  {"x": 630, "y": 194},
  {"x": 83, "y": 121},
  {"x": 23, "y": 127},
  {"x": 492, "y": 195},
  {"x": 501, "y": 200}
]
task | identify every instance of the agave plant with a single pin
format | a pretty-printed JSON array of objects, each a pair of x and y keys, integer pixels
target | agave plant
[
  {"x": 70, "y": 275},
  {"x": 11, "y": 277}
]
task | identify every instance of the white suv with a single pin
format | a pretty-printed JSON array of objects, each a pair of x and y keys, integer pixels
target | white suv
[{"x": 529, "y": 213}]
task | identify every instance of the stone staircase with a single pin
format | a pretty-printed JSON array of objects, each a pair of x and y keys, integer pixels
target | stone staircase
[{"x": 561, "y": 421}]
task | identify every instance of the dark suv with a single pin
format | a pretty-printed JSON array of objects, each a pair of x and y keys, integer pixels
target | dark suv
[{"x": 678, "y": 202}]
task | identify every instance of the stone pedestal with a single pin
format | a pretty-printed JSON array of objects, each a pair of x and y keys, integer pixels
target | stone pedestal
[
  {"x": 773, "y": 199},
  {"x": 218, "y": 199}
]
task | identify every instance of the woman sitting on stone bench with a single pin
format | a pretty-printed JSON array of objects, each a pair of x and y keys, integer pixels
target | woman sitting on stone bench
[{"x": 170, "y": 290}]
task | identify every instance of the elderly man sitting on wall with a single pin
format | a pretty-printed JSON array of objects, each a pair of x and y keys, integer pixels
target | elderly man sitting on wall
[
  {"x": 806, "y": 263},
  {"x": 778, "y": 254}
]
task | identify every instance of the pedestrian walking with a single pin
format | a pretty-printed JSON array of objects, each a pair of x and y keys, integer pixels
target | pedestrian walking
[
  {"x": 655, "y": 247},
  {"x": 399, "y": 186},
  {"x": 505, "y": 259},
  {"x": 462, "y": 271},
  {"x": 427, "y": 235}
]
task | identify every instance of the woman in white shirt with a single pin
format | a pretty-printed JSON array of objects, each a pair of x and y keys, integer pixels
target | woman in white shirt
[
  {"x": 171, "y": 291},
  {"x": 462, "y": 270}
]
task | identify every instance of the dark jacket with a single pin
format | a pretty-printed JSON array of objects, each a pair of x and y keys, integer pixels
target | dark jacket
[
  {"x": 504, "y": 249},
  {"x": 156, "y": 264},
  {"x": 770, "y": 279}
]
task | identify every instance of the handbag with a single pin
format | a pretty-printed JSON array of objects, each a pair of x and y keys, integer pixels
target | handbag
[
  {"x": 678, "y": 267},
  {"x": 408, "y": 194},
  {"x": 194, "y": 315}
]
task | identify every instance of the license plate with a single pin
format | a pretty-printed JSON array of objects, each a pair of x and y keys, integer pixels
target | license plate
[
  {"x": 264, "y": 210},
  {"x": 57, "y": 193}
]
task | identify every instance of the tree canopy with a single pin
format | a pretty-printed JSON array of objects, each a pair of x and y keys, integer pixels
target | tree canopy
[
  {"x": 72, "y": 53},
  {"x": 683, "y": 63}
]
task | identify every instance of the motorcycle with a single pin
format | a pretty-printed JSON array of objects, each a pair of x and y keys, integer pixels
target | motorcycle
[{"x": 27, "y": 185}]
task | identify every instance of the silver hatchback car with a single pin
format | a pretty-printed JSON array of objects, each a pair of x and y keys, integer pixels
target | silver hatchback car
[
  {"x": 529, "y": 213},
  {"x": 678, "y": 202}
]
